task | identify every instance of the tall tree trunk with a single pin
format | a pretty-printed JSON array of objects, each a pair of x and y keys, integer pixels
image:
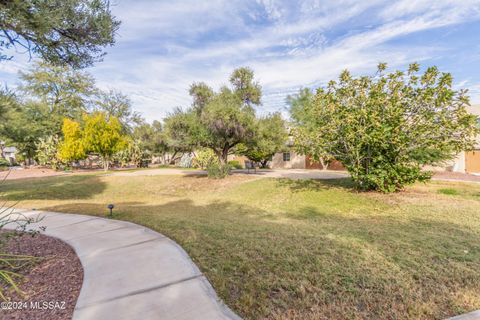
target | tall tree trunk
[
  {"x": 172, "y": 159},
  {"x": 324, "y": 164},
  {"x": 224, "y": 155},
  {"x": 264, "y": 163},
  {"x": 105, "y": 163}
]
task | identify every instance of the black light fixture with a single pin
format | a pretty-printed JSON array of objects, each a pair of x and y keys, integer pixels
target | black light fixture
[{"x": 111, "y": 206}]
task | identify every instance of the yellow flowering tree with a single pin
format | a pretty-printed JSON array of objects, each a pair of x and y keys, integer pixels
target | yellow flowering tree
[
  {"x": 72, "y": 147},
  {"x": 102, "y": 134}
]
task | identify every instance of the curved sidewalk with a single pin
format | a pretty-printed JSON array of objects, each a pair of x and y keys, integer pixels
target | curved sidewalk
[{"x": 132, "y": 272}]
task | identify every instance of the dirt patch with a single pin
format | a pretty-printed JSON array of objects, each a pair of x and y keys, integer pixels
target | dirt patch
[
  {"x": 50, "y": 285},
  {"x": 456, "y": 176},
  {"x": 29, "y": 173}
]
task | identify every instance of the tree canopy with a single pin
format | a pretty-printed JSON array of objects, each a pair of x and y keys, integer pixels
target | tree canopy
[
  {"x": 271, "y": 137},
  {"x": 385, "y": 128},
  {"x": 316, "y": 146},
  {"x": 217, "y": 120},
  {"x": 65, "y": 91},
  {"x": 151, "y": 138},
  {"x": 61, "y": 32},
  {"x": 119, "y": 105},
  {"x": 102, "y": 134}
]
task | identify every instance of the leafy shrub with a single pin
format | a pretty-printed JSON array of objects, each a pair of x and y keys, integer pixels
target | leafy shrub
[
  {"x": 4, "y": 164},
  {"x": 204, "y": 158},
  {"x": 133, "y": 153},
  {"x": 235, "y": 164},
  {"x": 386, "y": 128},
  {"x": 47, "y": 152},
  {"x": 217, "y": 170}
]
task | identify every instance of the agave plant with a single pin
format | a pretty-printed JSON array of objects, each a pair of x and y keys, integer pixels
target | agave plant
[{"x": 11, "y": 263}]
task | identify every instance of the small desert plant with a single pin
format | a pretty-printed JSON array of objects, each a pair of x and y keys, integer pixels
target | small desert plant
[
  {"x": 9, "y": 263},
  {"x": 204, "y": 158},
  {"x": 4, "y": 164},
  {"x": 218, "y": 170},
  {"x": 235, "y": 164},
  {"x": 47, "y": 152}
]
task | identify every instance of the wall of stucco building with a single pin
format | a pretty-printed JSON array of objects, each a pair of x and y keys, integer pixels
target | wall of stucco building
[
  {"x": 297, "y": 161},
  {"x": 459, "y": 164}
]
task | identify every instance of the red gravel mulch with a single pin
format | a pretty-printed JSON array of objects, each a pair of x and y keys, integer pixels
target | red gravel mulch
[{"x": 51, "y": 284}]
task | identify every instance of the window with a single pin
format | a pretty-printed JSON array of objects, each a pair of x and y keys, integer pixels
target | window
[{"x": 286, "y": 156}]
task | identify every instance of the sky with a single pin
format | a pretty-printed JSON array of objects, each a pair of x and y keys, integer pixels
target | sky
[{"x": 164, "y": 46}]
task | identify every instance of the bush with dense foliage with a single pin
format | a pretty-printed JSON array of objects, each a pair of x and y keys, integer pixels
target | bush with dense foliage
[
  {"x": 386, "y": 128},
  {"x": 203, "y": 158},
  {"x": 48, "y": 152},
  {"x": 132, "y": 154},
  {"x": 271, "y": 137},
  {"x": 235, "y": 164},
  {"x": 72, "y": 147},
  {"x": 4, "y": 163},
  {"x": 217, "y": 170}
]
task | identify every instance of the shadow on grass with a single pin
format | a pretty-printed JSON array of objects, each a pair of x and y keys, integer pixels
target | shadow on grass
[
  {"x": 318, "y": 184},
  {"x": 52, "y": 188}
]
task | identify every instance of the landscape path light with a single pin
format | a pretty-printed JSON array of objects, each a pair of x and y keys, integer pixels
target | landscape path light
[{"x": 111, "y": 206}]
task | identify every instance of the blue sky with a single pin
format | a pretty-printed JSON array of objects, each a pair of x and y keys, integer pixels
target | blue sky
[{"x": 164, "y": 46}]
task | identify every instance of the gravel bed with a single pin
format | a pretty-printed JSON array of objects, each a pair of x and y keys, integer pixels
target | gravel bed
[{"x": 50, "y": 284}]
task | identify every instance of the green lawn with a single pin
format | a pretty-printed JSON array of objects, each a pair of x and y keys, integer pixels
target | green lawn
[{"x": 282, "y": 249}]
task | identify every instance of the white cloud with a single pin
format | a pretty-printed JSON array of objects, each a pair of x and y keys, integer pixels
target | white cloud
[{"x": 164, "y": 46}]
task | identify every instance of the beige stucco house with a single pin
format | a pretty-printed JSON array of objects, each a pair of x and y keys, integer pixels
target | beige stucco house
[{"x": 468, "y": 161}]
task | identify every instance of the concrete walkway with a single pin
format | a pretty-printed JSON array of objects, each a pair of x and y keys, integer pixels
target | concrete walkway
[
  {"x": 132, "y": 272},
  {"x": 475, "y": 315}
]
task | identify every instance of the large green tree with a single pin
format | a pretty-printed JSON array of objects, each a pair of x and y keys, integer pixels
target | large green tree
[
  {"x": 385, "y": 128},
  {"x": 218, "y": 120},
  {"x": 72, "y": 32},
  {"x": 103, "y": 135},
  {"x": 151, "y": 138},
  {"x": 298, "y": 103},
  {"x": 119, "y": 105},
  {"x": 8, "y": 102},
  {"x": 67, "y": 92},
  {"x": 307, "y": 139},
  {"x": 26, "y": 123},
  {"x": 271, "y": 137}
]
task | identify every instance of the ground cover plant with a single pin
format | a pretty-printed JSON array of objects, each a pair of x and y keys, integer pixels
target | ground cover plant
[{"x": 283, "y": 249}]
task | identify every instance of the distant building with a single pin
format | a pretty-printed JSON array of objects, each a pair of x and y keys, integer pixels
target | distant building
[
  {"x": 9, "y": 154},
  {"x": 468, "y": 161}
]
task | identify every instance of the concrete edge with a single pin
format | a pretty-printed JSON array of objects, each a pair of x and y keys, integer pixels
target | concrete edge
[{"x": 474, "y": 315}]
